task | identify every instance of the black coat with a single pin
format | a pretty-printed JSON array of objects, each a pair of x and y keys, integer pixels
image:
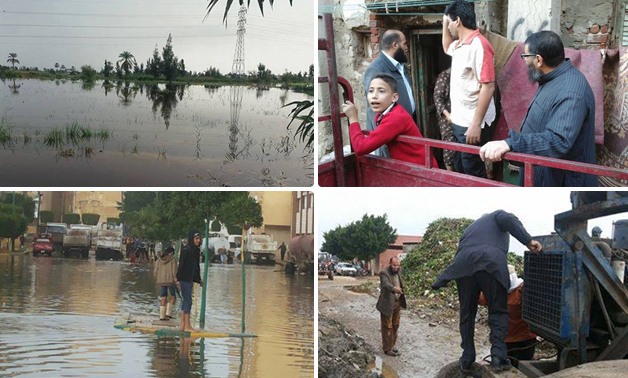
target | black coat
[
  {"x": 483, "y": 247},
  {"x": 190, "y": 262}
]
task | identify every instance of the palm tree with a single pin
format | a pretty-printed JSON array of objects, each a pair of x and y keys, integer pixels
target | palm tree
[
  {"x": 13, "y": 59},
  {"x": 127, "y": 61},
  {"x": 212, "y": 4}
]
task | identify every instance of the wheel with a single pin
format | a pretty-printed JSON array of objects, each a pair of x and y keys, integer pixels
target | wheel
[{"x": 85, "y": 253}]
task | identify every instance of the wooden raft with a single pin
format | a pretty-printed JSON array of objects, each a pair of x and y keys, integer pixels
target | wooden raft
[{"x": 166, "y": 328}]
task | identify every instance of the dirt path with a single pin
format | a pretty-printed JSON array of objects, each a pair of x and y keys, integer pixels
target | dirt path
[{"x": 427, "y": 340}]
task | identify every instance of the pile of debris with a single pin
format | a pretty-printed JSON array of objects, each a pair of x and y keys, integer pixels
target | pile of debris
[{"x": 342, "y": 353}]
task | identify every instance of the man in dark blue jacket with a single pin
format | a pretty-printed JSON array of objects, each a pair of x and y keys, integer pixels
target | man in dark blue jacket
[
  {"x": 391, "y": 60},
  {"x": 480, "y": 266},
  {"x": 560, "y": 122}
]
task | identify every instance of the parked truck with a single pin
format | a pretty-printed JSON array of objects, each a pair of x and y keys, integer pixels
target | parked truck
[
  {"x": 109, "y": 245},
  {"x": 302, "y": 249},
  {"x": 260, "y": 249},
  {"x": 77, "y": 239}
]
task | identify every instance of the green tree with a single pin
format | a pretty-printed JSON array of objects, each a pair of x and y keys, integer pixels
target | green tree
[
  {"x": 364, "y": 239},
  {"x": 127, "y": 62},
  {"x": 57, "y": 66},
  {"x": 263, "y": 73},
  {"x": 170, "y": 62},
  {"x": 88, "y": 73},
  {"x": 174, "y": 214},
  {"x": 311, "y": 72},
  {"x": 107, "y": 69},
  {"x": 154, "y": 65},
  {"x": 134, "y": 201},
  {"x": 13, "y": 59},
  {"x": 12, "y": 222},
  {"x": 24, "y": 203}
]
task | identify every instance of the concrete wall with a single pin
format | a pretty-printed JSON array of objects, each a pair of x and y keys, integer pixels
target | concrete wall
[{"x": 529, "y": 16}]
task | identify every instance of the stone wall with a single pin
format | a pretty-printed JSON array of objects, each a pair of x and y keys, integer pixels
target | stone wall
[{"x": 586, "y": 23}]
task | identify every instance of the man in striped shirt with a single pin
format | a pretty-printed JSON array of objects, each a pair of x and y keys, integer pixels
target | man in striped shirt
[
  {"x": 560, "y": 122},
  {"x": 472, "y": 83}
]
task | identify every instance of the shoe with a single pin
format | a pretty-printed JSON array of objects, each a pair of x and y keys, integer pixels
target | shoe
[
  {"x": 498, "y": 364},
  {"x": 395, "y": 350},
  {"x": 391, "y": 353},
  {"x": 465, "y": 370}
]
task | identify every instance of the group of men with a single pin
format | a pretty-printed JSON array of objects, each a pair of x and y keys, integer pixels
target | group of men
[
  {"x": 479, "y": 267},
  {"x": 559, "y": 122}
]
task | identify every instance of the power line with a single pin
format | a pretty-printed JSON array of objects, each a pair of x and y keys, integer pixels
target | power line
[
  {"x": 105, "y": 27},
  {"x": 103, "y": 14}
]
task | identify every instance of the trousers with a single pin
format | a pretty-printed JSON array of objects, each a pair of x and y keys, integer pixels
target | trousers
[
  {"x": 390, "y": 325},
  {"x": 497, "y": 297}
]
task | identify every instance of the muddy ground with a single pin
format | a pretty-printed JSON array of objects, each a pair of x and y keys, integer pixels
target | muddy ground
[{"x": 428, "y": 337}]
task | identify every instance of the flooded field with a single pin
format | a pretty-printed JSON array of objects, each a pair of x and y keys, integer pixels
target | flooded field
[
  {"x": 57, "y": 316},
  {"x": 126, "y": 134}
]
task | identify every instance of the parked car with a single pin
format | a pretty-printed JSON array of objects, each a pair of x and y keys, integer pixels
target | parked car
[
  {"x": 345, "y": 269},
  {"x": 42, "y": 244}
]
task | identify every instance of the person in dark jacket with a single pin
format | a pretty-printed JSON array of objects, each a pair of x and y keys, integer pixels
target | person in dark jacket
[
  {"x": 189, "y": 271},
  {"x": 560, "y": 122},
  {"x": 480, "y": 266},
  {"x": 391, "y": 301}
]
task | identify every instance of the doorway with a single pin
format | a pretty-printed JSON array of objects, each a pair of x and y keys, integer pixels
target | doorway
[{"x": 429, "y": 60}]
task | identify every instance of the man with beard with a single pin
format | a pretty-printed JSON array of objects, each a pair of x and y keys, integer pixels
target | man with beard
[
  {"x": 560, "y": 122},
  {"x": 472, "y": 84},
  {"x": 391, "y": 61},
  {"x": 391, "y": 301}
]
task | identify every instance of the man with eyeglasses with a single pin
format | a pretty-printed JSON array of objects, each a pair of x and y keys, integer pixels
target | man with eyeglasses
[
  {"x": 472, "y": 83},
  {"x": 560, "y": 122}
]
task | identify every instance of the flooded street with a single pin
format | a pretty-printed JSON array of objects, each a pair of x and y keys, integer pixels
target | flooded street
[
  {"x": 57, "y": 317},
  {"x": 65, "y": 133}
]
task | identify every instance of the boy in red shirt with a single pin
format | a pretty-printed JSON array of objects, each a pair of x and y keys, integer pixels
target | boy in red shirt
[{"x": 391, "y": 121}]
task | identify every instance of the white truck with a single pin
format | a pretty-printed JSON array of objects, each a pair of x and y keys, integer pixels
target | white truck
[
  {"x": 260, "y": 249},
  {"x": 77, "y": 239},
  {"x": 109, "y": 245}
]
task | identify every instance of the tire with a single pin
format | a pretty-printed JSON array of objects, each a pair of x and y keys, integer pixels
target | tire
[{"x": 85, "y": 253}]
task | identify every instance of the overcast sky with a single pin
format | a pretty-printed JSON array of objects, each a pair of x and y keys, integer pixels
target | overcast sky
[
  {"x": 78, "y": 32},
  {"x": 411, "y": 210}
]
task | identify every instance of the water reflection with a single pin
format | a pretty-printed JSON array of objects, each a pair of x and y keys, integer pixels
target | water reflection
[
  {"x": 57, "y": 315},
  {"x": 14, "y": 87},
  {"x": 165, "y": 99},
  {"x": 125, "y": 92},
  {"x": 206, "y": 145}
]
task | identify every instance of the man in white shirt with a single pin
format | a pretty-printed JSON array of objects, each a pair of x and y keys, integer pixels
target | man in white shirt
[{"x": 472, "y": 83}]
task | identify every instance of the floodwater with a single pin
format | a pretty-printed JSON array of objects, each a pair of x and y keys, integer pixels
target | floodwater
[
  {"x": 57, "y": 317},
  {"x": 127, "y": 134}
]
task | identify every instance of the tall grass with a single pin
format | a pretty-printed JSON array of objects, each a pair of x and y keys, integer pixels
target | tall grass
[
  {"x": 5, "y": 132},
  {"x": 54, "y": 138}
]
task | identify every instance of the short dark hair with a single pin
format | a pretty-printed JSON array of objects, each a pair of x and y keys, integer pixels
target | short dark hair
[
  {"x": 547, "y": 44},
  {"x": 390, "y": 36},
  {"x": 464, "y": 10},
  {"x": 388, "y": 79}
]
